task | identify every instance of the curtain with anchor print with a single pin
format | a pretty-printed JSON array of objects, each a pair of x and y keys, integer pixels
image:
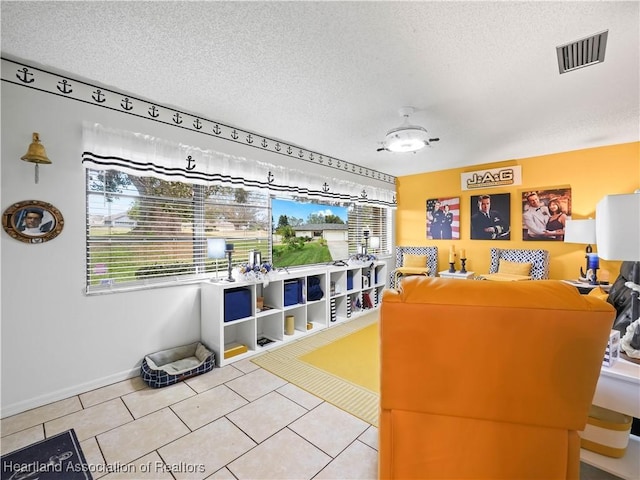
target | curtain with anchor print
[{"x": 144, "y": 155}]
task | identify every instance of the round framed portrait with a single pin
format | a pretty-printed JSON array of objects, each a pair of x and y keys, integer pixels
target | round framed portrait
[{"x": 32, "y": 221}]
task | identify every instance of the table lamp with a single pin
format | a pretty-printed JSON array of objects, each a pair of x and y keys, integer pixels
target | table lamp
[
  {"x": 582, "y": 231},
  {"x": 229, "y": 251},
  {"x": 618, "y": 238},
  {"x": 216, "y": 249}
]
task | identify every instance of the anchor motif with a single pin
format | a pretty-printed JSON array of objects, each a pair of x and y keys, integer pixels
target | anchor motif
[
  {"x": 363, "y": 194},
  {"x": 154, "y": 112},
  {"x": 264, "y": 143},
  {"x": 98, "y": 96},
  {"x": 270, "y": 177},
  {"x": 346, "y": 166},
  {"x": 301, "y": 153},
  {"x": 217, "y": 130},
  {"x": 325, "y": 187},
  {"x": 177, "y": 118},
  {"x": 234, "y": 134},
  {"x": 249, "y": 139},
  {"x": 394, "y": 199},
  {"x": 126, "y": 104},
  {"x": 25, "y": 72},
  {"x": 65, "y": 84},
  {"x": 353, "y": 168},
  {"x": 360, "y": 171},
  {"x": 320, "y": 159},
  {"x": 338, "y": 164},
  {"x": 289, "y": 150},
  {"x": 278, "y": 147},
  {"x": 197, "y": 124},
  {"x": 311, "y": 157},
  {"x": 189, "y": 160},
  {"x": 330, "y": 162}
]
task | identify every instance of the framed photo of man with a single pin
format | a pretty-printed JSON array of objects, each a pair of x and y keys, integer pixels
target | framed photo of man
[
  {"x": 443, "y": 218},
  {"x": 544, "y": 214},
  {"x": 32, "y": 221},
  {"x": 491, "y": 217}
]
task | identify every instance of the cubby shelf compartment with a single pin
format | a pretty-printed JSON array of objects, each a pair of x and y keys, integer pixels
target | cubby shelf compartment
[{"x": 333, "y": 308}]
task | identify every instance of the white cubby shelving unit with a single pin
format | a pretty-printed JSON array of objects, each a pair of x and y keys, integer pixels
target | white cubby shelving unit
[{"x": 349, "y": 291}]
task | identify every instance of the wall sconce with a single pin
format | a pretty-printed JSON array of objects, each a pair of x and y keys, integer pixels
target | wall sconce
[{"x": 36, "y": 154}]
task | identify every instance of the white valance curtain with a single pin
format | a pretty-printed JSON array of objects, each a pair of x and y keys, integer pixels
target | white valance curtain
[{"x": 144, "y": 155}]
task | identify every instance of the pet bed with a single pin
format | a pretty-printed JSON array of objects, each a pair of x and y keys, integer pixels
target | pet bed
[{"x": 171, "y": 366}]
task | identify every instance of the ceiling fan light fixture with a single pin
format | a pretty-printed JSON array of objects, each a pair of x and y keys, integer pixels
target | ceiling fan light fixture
[{"x": 405, "y": 139}]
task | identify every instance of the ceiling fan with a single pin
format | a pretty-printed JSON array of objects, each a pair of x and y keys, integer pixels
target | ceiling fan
[{"x": 406, "y": 137}]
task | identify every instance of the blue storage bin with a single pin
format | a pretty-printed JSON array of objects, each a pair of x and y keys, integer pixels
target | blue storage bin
[
  {"x": 237, "y": 303},
  {"x": 349, "y": 280},
  {"x": 291, "y": 292}
]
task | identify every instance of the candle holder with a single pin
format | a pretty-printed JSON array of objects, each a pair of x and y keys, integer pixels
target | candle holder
[
  {"x": 462, "y": 268},
  {"x": 452, "y": 268}
]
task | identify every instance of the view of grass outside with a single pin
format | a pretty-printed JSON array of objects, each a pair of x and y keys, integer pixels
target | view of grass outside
[{"x": 284, "y": 255}]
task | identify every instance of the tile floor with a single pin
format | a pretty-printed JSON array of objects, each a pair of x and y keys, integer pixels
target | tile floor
[{"x": 236, "y": 422}]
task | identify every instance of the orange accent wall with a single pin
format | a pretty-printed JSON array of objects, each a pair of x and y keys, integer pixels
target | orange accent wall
[{"x": 591, "y": 173}]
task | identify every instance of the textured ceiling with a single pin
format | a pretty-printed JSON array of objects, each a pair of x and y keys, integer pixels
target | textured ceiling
[{"x": 332, "y": 76}]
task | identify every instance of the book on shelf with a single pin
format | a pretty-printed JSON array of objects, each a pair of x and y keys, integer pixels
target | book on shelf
[{"x": 262, "y": 341}]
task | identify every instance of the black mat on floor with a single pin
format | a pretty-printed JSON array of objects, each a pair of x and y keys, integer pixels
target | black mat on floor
[{"x": 56, "y": 458}]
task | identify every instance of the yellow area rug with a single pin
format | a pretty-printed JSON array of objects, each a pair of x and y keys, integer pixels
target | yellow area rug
[{"x": 338, "y": 364}]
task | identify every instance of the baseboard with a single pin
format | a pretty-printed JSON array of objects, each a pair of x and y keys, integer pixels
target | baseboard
[{"x": 23, "y": 406}]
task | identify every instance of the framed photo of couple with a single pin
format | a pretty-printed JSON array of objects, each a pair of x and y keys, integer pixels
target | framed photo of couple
[
  {"x": 443, "y": 218},
  {"x": 544, "y": 214}
]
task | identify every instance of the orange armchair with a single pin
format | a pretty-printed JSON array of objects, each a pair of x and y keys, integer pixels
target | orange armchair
[{"x": 487, "y": 379}]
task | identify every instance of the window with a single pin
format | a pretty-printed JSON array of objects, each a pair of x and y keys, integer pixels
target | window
[
  {"x": 144, "y": 231},
  {"x": 374, "y": 220}
]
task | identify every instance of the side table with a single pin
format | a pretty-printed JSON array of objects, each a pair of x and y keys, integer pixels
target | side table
[
  {"x": 457, "y": 274},
  {"x": 585, "y": 287},
  {"x": 618, "y": 389}
]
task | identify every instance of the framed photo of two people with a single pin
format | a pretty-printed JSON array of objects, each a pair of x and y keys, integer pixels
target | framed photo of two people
[
  {"x": 32, "y": 221},
  {"x": 544, "y": 214},
  {"x": 443, "y": 218}
]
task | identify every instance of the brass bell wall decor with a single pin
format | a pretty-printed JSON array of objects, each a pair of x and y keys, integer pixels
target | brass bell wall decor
[{"x": 36, "y": 154}]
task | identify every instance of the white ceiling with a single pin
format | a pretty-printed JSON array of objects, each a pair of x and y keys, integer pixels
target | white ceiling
[{"x": 332, "y": 76}]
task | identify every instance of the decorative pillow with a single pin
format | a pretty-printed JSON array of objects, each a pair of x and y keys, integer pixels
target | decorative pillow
[
  {"x": 409, "y": 260},
  {"x": 514, "y": 268},
  {"x": 598, "y": 292},
  {"x": 504, "y": 277},
  {"x": 413, "y": 270}
]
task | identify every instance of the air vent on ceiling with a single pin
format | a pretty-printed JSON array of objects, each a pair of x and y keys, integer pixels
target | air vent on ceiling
[{"x": 582, "y": 53}]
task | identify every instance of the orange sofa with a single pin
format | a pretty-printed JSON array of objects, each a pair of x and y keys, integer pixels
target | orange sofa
[{"x": 487, "y": 379}]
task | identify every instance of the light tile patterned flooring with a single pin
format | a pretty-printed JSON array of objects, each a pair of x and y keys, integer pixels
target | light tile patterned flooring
[{"x": 236, "y": 422}]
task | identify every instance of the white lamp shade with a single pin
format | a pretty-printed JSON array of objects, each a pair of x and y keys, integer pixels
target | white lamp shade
[
  {"x": 618, "y": 227},
  {"x": 580, "y": 231},
  {"x": 374, "y": 242},
  {"x": 216, "y": 247}
]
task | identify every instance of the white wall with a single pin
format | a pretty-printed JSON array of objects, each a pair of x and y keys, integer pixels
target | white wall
[{"x": 56, "y": 341}]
